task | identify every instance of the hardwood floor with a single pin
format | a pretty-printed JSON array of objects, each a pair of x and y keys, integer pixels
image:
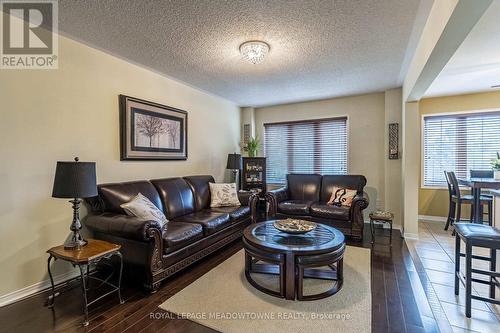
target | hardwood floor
[{"x": 399, "y": 303}]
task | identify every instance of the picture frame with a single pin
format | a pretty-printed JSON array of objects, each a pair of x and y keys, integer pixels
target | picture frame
[
  {"x": 393, "y": 141},
  {"x": 151, "y": 131}
]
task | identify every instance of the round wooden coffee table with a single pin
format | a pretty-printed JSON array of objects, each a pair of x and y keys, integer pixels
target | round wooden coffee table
[{"x": 294, "y": 257}]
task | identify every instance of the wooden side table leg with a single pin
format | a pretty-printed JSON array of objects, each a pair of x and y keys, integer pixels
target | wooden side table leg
[
  {"x": 372, "y": 229},
  {"x": 52, "y": 297},
  {"x": 390, "y": 236},
  {"x": 120, "y": 278},
  {"x": 84, "y": 292}
]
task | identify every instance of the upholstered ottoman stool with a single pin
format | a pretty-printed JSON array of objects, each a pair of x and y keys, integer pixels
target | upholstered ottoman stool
[{"x": 383, "y": 217}]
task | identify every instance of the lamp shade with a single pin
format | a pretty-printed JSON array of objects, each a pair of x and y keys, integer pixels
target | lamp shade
[
  {"x": 75, "y": 180},
  {"x": 233, "y": 161}
]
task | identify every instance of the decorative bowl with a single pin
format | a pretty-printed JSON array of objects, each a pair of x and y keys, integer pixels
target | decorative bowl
[{"x": 294, "y": 226}]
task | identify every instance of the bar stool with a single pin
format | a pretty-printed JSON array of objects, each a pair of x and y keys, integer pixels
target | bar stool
[
  {"x": 479, "y": 235},
  {"x": 457, "y": 200}
]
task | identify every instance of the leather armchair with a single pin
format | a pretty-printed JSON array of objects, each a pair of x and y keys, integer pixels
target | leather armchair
[{"x": 305, "y": 197}]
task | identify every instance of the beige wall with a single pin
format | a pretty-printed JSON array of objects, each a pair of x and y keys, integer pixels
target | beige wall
[
  {"x": 366, "y": 132},
  {"x": 51, "y": 115},
  {"x": 434, "y": 202},
  {"x": 392, "y": 168}
]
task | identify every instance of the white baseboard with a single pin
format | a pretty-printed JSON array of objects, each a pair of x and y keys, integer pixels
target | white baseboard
[
  {"x": 429, "y": 218},
  {"x": 408, "y": 235},
  {"x": 35, "y": 288}
]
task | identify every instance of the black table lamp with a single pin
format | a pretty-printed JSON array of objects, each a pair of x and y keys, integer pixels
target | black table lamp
[
  {"x": 234, "y": 164},
  {"x": 75, "y": 180}
]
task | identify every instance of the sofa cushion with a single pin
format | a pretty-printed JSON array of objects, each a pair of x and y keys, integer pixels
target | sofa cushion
[
  {"x": 144, "y": 209},
  {"x": 201, "y": 191},
  {"x": 115, "y": 194},
  {"x": 178, "y": 234},
  {"x": 235, "y": 212},
  {"x": 210, "y": 220},
  {"x": 305, "y": 187},
  {"x": 294, "y": 207},
  {"x": 223, "y": 195},
  {"x": 342, "y": 197},
  {"x": 176, "y": 196},
  {"x": 355, "y": 182},
  {"x": 330, "y": 211}
]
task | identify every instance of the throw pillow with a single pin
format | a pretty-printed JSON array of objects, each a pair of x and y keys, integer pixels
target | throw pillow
[
  {"x": 143, "y": 208},
  {"x": 223, "y": 195},
  {"x": 342, "y": 197}
]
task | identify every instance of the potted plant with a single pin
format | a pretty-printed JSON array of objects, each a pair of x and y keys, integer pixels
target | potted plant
[
  {"x": 252, "y": 146},
  {"x": 495, "y": 164}
]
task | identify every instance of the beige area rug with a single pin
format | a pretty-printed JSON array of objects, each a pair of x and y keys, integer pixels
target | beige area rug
[{"x": 222, "y": 299}]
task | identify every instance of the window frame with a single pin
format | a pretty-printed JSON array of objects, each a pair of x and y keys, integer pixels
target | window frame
[
  {"x": 422, "y": 143},
  {"x": 311, "y": 120}
]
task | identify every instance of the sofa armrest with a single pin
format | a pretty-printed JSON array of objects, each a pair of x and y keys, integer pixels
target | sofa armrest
[
  {"x": 359, "y": 203},
  {"x": 274, "y": 197},
  {"x": 244, "y": 197},
  {"x": 124, "y": 226},
  {"x": 279, "y": 194}
]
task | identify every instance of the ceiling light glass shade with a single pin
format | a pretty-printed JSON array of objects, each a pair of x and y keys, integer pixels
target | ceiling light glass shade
[{"x": 254, "y": 51}]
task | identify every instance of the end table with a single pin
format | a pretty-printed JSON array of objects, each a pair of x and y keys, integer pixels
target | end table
[
  {"x": 92, "y": 253},
  {"x": 381, "y": 217}
]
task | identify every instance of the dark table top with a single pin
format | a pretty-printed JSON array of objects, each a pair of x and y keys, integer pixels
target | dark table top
[
  {"x": 322, "y": 239},
  {"x": 480, "y": 182}
]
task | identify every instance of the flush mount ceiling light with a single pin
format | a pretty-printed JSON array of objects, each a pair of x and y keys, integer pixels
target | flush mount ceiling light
[{"x": 254, "y": 51}]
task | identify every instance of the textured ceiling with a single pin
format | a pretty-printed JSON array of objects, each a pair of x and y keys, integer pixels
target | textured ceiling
[
  {"x": 475, "y": 67},
  {"x": 319, "y": 49}
]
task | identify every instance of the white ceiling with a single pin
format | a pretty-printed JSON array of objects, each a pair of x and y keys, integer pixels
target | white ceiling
[
  {"x": 475, "y": 67},
  {"x": 319, "y": 49}
]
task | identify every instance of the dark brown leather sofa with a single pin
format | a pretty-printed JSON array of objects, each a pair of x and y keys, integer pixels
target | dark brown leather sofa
[
  {"x": 306, "y": 195},
  {"x": 152, "y": 254}
]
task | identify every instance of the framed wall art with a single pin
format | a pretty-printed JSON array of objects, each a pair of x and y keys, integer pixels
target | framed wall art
[
  {"x": 393, "y": 141},
  {"x": 151, "y": 131}
]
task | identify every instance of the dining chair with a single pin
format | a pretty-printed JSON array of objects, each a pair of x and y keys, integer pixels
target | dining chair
[
  {"x": 483, "y": 174},
  {"x": 457, "y": 199}
]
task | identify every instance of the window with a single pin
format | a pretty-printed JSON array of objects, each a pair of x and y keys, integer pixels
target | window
[
  {"x": 459, "y": 143},
  {"x": 310, "y": 146}
]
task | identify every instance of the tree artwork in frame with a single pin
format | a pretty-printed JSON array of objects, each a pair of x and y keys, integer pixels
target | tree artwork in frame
[{"x": 151, "y": 131}]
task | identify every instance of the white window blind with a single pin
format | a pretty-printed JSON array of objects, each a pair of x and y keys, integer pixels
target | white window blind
[
  {"x": 459, "y": 143},
  {"x": 312, "y": 146}
]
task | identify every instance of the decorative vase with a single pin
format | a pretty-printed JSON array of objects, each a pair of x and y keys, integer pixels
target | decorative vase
[
  {"x": 497, "y": 174},
  {"x": 252, "y": 153}
]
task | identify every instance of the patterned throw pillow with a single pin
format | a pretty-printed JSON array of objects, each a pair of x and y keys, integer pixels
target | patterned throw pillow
[
  {"x": 223, "y": 195},
  {"x": 342, "y": 197},
  {"x": 143, "y": 208}
]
